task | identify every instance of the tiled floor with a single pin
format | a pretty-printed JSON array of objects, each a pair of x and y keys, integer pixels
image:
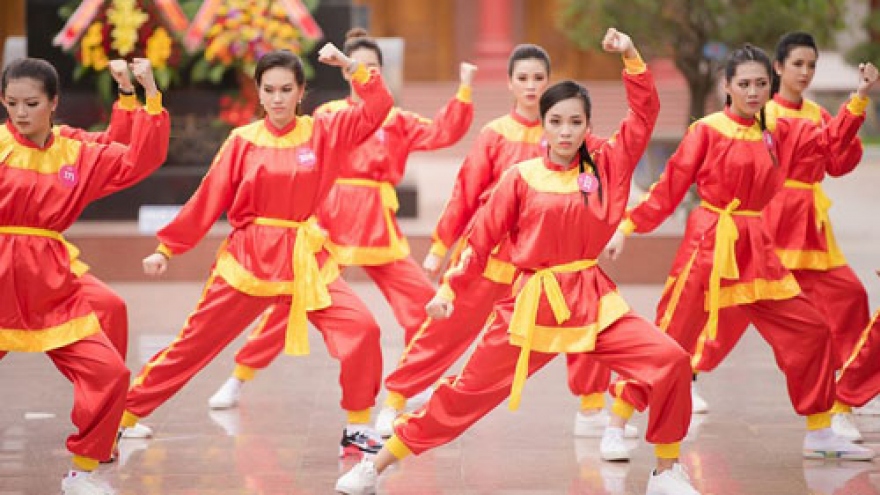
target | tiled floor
[{"x": 283, "y": 437}]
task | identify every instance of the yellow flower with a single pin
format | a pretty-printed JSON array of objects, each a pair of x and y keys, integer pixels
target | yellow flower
[
  {"x": 159, "y": 48},
  {"x": 91, "y": 40},
  {"x": 126, "y": 18}
]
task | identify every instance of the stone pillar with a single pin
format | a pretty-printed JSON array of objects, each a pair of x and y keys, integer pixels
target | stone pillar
[{"x": 494, "y": 38}]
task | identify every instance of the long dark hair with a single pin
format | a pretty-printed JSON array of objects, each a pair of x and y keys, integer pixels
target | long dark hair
[
  {"x": 786, "y": 44},
  {"x": 32, "y": 68},
  {"x": 527, "y": 51},
  {"x": 751, "y": 53},
  {"x": 566, "y": 90}
]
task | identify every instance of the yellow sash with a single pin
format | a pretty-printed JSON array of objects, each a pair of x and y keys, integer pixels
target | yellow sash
[
  {"x": 77, "y": 266},
  {"x": 386, "y": 190},
  {"x": 724, "y": 257},
  {"x": 525, "y": 312},
  {"x": 821, "y": 202},
  {"x": 309, "y": 290}
]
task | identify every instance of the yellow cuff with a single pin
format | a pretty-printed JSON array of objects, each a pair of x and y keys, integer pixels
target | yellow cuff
[
  {"x": 634, "y": 65},
  {"x": 128, "y": 420},
  {"x": 464, "y": 94},
  {"x": 840, "y": 408},
  {"x": 445, "y": 291},
  {"x": 85, "y": 463},
  {"x": 395, "y": 400},
  {"x": 626, "y": 227},
  {"x": 857, "y": 105},
  {"x": 361, "y": 417},
  {"x": 622, "y": 408},
  {"x": 818, "y": 421},
  {"x": 361, "y": 75},
  {"x": 592, "y": 401},
  {"x": 163, "y": 249},
  {"x": 438, "y": 249},
  {"x": 397, "y": 448},
  {"x": 244, "y": 373},
  {"x": 128, "y": 102},
  {"x": 154, "y": 104},
  {"x": 667, "y": 450}
]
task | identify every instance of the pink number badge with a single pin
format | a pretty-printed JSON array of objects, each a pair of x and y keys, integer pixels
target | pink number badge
[
  {"x": 69, "y": 176},
  {"x": 306, "y": 158},
  {"x": 587, "y": 182}
]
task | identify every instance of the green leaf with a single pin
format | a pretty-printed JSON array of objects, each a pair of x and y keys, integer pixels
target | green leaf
[
  {"x": 215, "y": 75},
  {"x": 200, "y": 70},
  {"x": 105, "y": 87},
  {"x": 79, "y": 72},
  {"x": 163, "y": 78}
]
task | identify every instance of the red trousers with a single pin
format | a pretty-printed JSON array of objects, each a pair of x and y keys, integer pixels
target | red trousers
[
  {"x": 859, "y": 380},
  {"x": 794, "y": 328},
  {"x": 349, "y": 330},
  {"x": 404, "y": 285},
  {"x": 100, "y": 380},
  {"x": 110, "y": 309},
  {"x": 837, "y": 294},
  {"x": 632, "y": 347},
  {"x": 440, "y": 343}
]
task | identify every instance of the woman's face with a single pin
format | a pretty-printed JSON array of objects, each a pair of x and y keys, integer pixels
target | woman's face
[
  {"x": 565, "y": 128},
  {"x": 366, "y": 57},
  {"x": 29, "y": 108},
  {"x": 749, "y": 88},
  {"x": 796, "y": 73},
  {"x": 528, "y": 82},
  {"x": 279, "y": 95}
]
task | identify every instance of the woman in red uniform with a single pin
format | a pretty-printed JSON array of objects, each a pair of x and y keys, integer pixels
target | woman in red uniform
[
  {"x": 439, "y": 343},
  {"x": 359, "y": 214},
  {"x": 859, "y": 379},
  {"x": 270, "y": 177},
  {"x": 562, "y": 208},
  {"x": 46, "y": 180},
  {"x": 797, "y": 221},
  {"x": 726, "y": 269}
]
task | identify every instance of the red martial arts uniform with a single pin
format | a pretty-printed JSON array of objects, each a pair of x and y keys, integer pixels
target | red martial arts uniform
[
  {"x": 47, "y": 309},
  {"x": 797, "y": 221},
  {"x": 726, "y": 268},
  {"x": 270, "y": 182},
  {"x": 359, "y": 216},
  {"x": 563, "y": 302}
]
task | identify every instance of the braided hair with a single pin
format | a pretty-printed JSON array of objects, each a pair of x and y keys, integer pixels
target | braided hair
[{"x": 565, "y": 90}]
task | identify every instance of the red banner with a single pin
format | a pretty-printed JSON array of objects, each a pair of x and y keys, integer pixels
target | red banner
[
  {"x": 77, "y": 24},
  {"x": 195, "y": 35},
  {"x": 174, "y": 17},
  {"x": 300, "y": 15}
]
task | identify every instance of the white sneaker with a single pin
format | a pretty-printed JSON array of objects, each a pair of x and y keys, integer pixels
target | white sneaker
[
  {"x": 361, "y": 480},
  {"x": 420, "y": 399},
  {"x": 824, "y": 444},
  {"x": 227, "y": 395},
  {"x": 844, "y": 427},
  {"x": 139, "y": 430},
  {"x": 593, "y": 425},
  {"x": 613, "y": 447},
  {"x": 698, "y": 404},
  {"x": 385, "y": 421},
  {"x": 673, "y": 481},
  {"x": 84, "y": 484},
  {"x": 872, "y": 408}
]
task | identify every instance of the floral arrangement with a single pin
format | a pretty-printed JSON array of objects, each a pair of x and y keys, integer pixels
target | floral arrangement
[{"x": 100, "y": 30}]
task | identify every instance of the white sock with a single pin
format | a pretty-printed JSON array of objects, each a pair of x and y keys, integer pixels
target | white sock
[
  {"x": 73, "y": 473},
  {"x": 234, "y": 382},
  {"x": 613, "y": 431}
]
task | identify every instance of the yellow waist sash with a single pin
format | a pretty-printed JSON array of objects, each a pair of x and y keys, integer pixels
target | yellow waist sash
[
  {"x": 525, "y": 312},
  {"x": 77, "y": 266},
  {"x": 386, "y": 190},
  {"x": 724, "y": 257},
  {"x": 821, "y": 202},
  {"x": 309, "y": 290}
]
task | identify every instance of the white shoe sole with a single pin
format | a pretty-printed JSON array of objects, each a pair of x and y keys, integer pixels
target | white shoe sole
[{"x": 837, "y": 454}]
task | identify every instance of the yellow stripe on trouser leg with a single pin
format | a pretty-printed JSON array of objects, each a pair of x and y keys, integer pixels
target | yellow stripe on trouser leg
[
  {"x": 244, "y": 373},
  {"x": 395, "y": 400},
  {"x": 128, "y": 420},
  {"x": 361, "y": 417},
  {"x": 525, "y": 312},
  {"x": 397, "y": 448},
  {"x": 840, "y": 408},
  {"x": 309, "y": 291},
  {"x": 622, "y": 408},
  {"x": 818, "y": 421}
]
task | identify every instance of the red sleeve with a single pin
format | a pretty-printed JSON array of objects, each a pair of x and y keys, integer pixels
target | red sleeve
[
  {"x": 448, "y": 127},
  {"x": 848, "y": 157},
  {"x": 116, "y": 166},
  {"x": 625, "y": 148},
  {"x": 119, "y": 129},
  {"x": 670, "y": 189},
  {"x": 492, "y": 224},
  {"x": 474, "y": 177},
  {"x": 211, "y": 199},
  {"x": 347, "y": 128}
]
